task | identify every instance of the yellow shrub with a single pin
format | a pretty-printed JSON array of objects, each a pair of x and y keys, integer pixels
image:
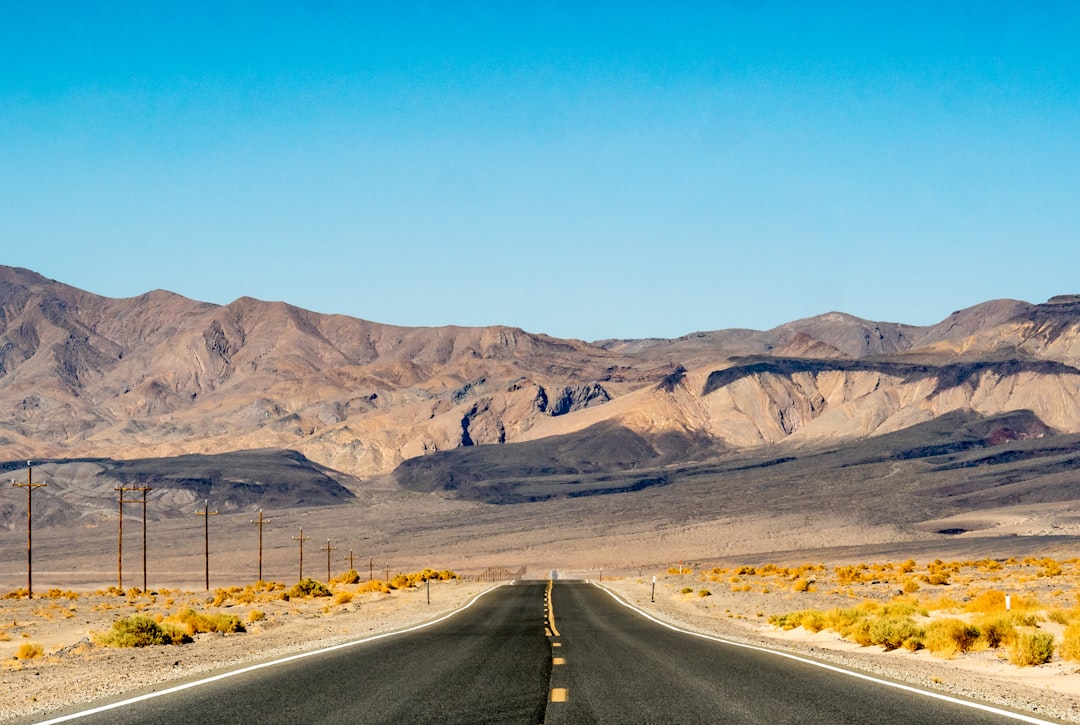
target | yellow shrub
[
  {"x": 195, "y": 622},
  {"x": 349, "y": 577},
  {"x": 848, "y": 574},
  {"x": 375, "y": 585},
  {"x": 996, "y": 629},
  {"x": 343, "y": 597},
  {"x": 29, "y": 650},
  {"x": 948, "y": 637},
  {"x": 1049, "y": 567},
  {"x": 1031, "y": 649},
  {"x": 256, "y": 615},
  {"x": 988, "y": 602},
  {"x": 1070, "y": 643}
]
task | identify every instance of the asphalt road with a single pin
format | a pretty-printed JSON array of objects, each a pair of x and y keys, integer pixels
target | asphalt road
[{"x": 509, "y": 659}]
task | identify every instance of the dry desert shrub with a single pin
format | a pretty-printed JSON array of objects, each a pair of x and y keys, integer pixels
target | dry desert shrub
[
  {"x": 343, "y": 597},
  {"x": 141, "y": 631},
  {"x": 375, "y": 585},
  {"x": 29, "y": 650},
  {"x": 1070, "y": 642},
  {"x": 416, "y": 578},
  {"x": 56, "y": 593},
  {"x": 308, "y": 588},
  {"x": 895, "y": 631},
  {"x": 193, "y": 622},
  {"x": 256, "y": 615},
  {"x": 812, "y": 620},
  {"x": 1049, "y": 568},
  {"x": 850, "y": 574},
  {"x": 996, "y": 629},
  {"x": 948, "y": 637},
  {"x": 349, "y": 577},
  {"x": 1028, "y": 649}
]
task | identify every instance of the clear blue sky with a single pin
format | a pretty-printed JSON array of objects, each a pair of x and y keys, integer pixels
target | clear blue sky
[{"x": 586, "y": 170}]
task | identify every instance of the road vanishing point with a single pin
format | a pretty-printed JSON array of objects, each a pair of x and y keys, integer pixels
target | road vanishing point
[{"x": 535, "y": 652}]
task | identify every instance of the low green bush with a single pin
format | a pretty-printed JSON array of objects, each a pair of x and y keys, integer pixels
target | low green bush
[
  {"x": 1031, "y": 649},
  {"x": 141, "y": 631},
  {"x": 309, "y": 588}
]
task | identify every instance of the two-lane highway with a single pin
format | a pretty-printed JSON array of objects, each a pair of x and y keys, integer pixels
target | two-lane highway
[{"x": 540, "y": 652}]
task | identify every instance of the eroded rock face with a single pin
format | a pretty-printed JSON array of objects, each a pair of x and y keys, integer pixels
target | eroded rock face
[{"x": 161, "y": 375}]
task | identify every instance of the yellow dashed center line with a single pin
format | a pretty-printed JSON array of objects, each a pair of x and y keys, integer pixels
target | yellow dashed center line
[
  {"x": 558, "y": 694},
  {"x": 551, "y": 611}
]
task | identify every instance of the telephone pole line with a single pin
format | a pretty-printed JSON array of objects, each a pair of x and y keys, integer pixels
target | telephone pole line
[
  {"x": 351, "y": 567},
  {"x": 29, "y": 486},
  {"x": 301, "y": 538},
  {"x": 206, "y": 536},
  {"x": 120, "y": 534},
  {"x": 261, "y": 522},
  {"x": 328, "y": 549}
]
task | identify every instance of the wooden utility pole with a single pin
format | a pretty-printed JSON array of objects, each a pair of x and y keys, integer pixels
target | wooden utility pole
[
  {"x": 120, "y": 535},
  {"x": 261, "y": 522},
  {"x": 351, "y": 567},
  {"x": 206, "y": 536},
  {"x": 29, "y": 486},
  {"x": 301, "y": 538},
  {"x": 328, "y": 549},
  {"x": 370, "y": 568}
]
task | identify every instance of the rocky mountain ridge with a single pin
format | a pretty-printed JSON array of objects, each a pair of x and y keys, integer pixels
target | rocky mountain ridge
[{"x": 160, "y": 375}]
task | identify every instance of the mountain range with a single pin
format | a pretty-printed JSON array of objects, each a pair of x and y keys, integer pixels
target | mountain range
[
  {"x": 161, "y": 375},
  {"x": 195, "y": 396}
]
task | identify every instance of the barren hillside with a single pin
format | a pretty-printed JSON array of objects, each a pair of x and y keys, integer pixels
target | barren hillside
[{"x": 161, "y": 375}]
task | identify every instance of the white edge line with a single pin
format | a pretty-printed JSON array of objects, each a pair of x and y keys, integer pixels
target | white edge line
[
  {"x": 261, "y": 665},
  {"x": 833, "y": 668}
]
